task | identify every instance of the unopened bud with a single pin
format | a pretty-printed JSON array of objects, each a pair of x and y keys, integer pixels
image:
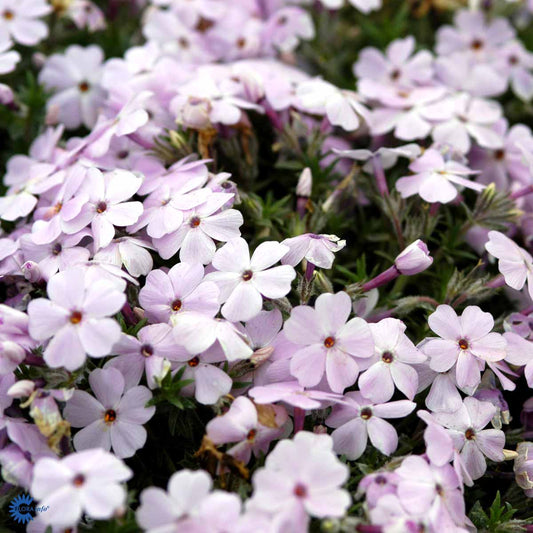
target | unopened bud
[
  {"x": 261, "y": 355},
  {"x": 21, "y": 389},
  {"x": 31, "y": 271},
  {"x": 305, "y": 183},
  {"x": 523, "y": 467},
  {"x": 414, "y": 259}
]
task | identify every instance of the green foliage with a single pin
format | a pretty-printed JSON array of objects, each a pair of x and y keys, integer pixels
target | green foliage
[{"x": 498, "y": 519}]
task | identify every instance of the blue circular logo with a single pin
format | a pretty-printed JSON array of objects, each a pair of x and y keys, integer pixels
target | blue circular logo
[{"x": 21, "y": 508}]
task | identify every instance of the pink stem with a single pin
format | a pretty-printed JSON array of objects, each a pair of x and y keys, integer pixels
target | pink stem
[{"x": 299, "y": 418}]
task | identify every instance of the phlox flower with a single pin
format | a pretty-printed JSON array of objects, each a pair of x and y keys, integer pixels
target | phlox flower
[
  {"x": 8, "y": 58},
  {"x": 433, "y": 492},
  {"x": 435, "y": 177},
  {"x": 520, "y": 353},
  {"x": 399, "y": 65},
  {"x": 342, "y": 108},
  {"x": 515, "y": 63},
  {"x": 241, "y": 425},
  {"x": 394, "y": 353},
  {"x": 84, "y": 482},
  {"x": 515, "y": 263},
  {"x": 318, "y": 250},
  {"x": 14, "y": 339},
  {"x": 389, "y": 514},
  {"x": 111, "y": 419},
  {"x": 359, "y": 419},
  {"x": 183, "y": 288},
  {"x": 285, "y": 27},
  {"x": 374, "y": 486},
  {"x": 465, "y": 427},
  {"x": 129, "y": 252},
  {"x": 107, "y": 204},
  {"x": 201, "y": 226},
  {"x": 86, "y": 14},
  {"x": 244, "y": 280},
  {"x": 74, "y": 77},
  {"x": 189, "y": 504},
  {"x": 328, "y": 343},
  {"x": 76, "y": 318},
  {"x": 210, "y": 381},
  {"x": 466, "y": 342},
  {"x": 303, "y": 477},
  {"x": 20, "y": 20},
  {"x": 148, "y": 353}
]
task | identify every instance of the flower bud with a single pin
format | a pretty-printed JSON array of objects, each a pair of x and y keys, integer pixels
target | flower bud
[
  {"x": 414, "y": 259},
  {"x": 305, "y": 183},
  {"x": 21, "y": 389},
  {"x": 31, "y": 271},
  {"x": 195, "y": 113},
  {"x": 523, "y": 467}
]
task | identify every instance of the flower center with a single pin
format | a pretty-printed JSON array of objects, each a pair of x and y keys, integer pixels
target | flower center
[
  {"x": 251, "y": 434},
  {"x": 147, "y": 350},
  {"x": 387, "y": 357},
  {"x": 247, "y": 275},
  {"x": 499, "y": 154},
  {"x": 470, "y": 434},
  {"x": 176, "y": 305},
  {"x": 101, "y": 207},
  {"x": 463, "y": 344},
  {"x": 183, "y": 42},
  {"x": 57, "y": 249},
  {"x": 194, "y": 222},
  {"x": 300, "y": 490},
  {"x": 123, "y": 154},
  {"x": 83, "y": 86},
  {"x": 329, "y": 342},
  {"x": 513, "y": 60},
  {"x": 381, "y": 480},
  {"x": 110, "y": 416},
  {"x": 194, "y": 361},
  {"x": 57, "y": 207},
  {"x": 78, "y": 480},
  {"x": 366, "y": 413},
  {"x": 8, "y": 14},
  {"x": 75, "y": 317},
  {"x": 241, "y": 42},
  {"x": 476, "y": 44},
  {"x": 395, "y": 74},
  {"x": 439, "y": 489}
]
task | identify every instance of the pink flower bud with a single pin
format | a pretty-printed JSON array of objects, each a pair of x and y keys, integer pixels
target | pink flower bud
[
  {"x": 523, "y": 467},
  {"x": 21, "y": 389},
  {"x": 6, "y": 95},
  {"x": 414, "y": 259},
  {"x": 31, "y": 271},
  {"x": 305, "y": 183}
]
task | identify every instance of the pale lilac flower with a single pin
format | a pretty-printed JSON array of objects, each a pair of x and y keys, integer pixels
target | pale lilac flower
[
  {"x": 328, "y": 343},
  {"x": 434, "y": 178},
  {"x": 390, "y": 515},
  {"x": 515, "y": 63},
  {"x": 210, "y": 381},
  {"x": 198, "y": 332},
  {"x": 107, "y": 205},
  {"x": 359, "y": 418},
  {"x": 181, "y": 289},
  {"x": 149, "y": 353},
  {"x": 202, "y": 225},
  {"x": 394, "y": 353},
  {"x": 471, "y": 117},
  {"x": 342, "y": 108},
  {"x": 465, "y": 427},
  {"x": 8, "y": 58},
  {"x": 293, "y": 394},
  {"x": 506, "y": 164},
  {"x": 74, "y": 77},
  {"x": 399, "y": 65},
  {"x": 114, "y": 419},
  {"x": 189, "y": 505},
  {"x": 244, "y": 280},
  {"x": 14, "y": 339},
  {"x": 76, "y": 318},
  {"x": 520, "y": 353},
  {"x": 304, "y": 477},
  {"x": 20, "y": 20},
  {"x": 129, "y": 252},
  {"x": 318, "y": 250},
  {"x": 474, "y": 34},
  {"x": 432, "y": 491},
  {"x": 515, "y": 263},
  {"x": 466, "y": 342},
  {"x": 286, "y": 27},
  {"x": 241, "y": 425},
  {"x": 86, "y": 14},
  {"x": 84, "y": 482},
  {"x": 365, "y": 6},
  {"x": 374, "y": 486},
  {"x": 59, "y": 254}
]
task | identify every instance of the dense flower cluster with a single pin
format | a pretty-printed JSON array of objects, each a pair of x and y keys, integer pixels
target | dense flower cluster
[{"x": 152, "y": 275}]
